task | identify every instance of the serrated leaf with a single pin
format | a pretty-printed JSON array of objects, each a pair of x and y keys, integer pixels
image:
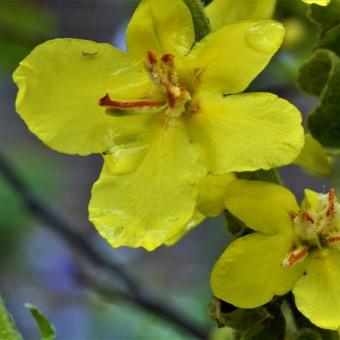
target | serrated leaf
[
  {"x": 46, "y": 329},
  {"x": 330, "y": 39},
  {"x": 325, "y": 16},
  {"x": 7, "y": 328},
  {"x": 321, "y": 76}
]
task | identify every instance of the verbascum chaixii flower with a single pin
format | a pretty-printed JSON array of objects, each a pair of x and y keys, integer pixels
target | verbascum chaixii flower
[
  {"x": 223, "y": 12},
  {"x": 293, "y": 248},
  {"x": 164, "y": 115}
]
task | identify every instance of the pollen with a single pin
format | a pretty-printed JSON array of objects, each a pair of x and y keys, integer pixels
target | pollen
[
  {"x": 317, "y": 228},
  {"x": 297, "y": 255},
  {"x": 163, "y": 72}
]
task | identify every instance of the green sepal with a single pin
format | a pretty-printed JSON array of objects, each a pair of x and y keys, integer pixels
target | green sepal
[
  {"x": 320, "y": 76},
  {"x": 238, "y": 319},
  {"x": 47, "y": 331},
  {"x": 272, "y": 328},
  {"x": 234, "y": 225},
  {"x": 271, "y": 176},
  {"x": 7, "y": 327}
]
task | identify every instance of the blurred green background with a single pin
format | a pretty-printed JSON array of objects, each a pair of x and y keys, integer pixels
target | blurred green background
[{"x": 35, "y": 265}]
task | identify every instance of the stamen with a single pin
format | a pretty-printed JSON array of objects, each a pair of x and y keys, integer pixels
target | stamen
[
  {"x": 335, "y": 238},
  {"x": 305, "y": 215},
  {"x": 107, "y": 102},
  {"x": 331, "y": 200},
  {"x": 152, "y": 58},
  {"x": 294, "y": 256},
  {"x": 168, "y": 59}
]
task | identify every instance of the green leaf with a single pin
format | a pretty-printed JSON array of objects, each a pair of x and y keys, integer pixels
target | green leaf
[
  {"x": 7, "y": 328},
  {"x": 321, "y": 76},
  {"x": 325, "y": 16},
  {"x": 330, "y": 40},
  {"x": 46, "y": 329}
]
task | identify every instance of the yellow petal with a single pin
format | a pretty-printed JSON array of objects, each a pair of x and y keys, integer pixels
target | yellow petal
[
  {"x": 246, "y": 132},
  {"x": 227, "y": 60},
  {"x": 318, "y": 2},
  {"x": 249, "y": 272},
  {"x": 60, "y": 84},
  {"x": 311, "y": 200},
  {"x": 313, "y": 157},
  {"x": 148, "y": 206},
  {"x": 133, "y": 83},
  {"x": 210, "y": 202},
  {"x": 211, "y": 193},
  {"x": 223, "y": 12},
  {"x": 262, "y": 206},
  {"x": 160, "y": 26},
  {"x": 317, "y": 293},
  {"x": 195, "y": 220}
]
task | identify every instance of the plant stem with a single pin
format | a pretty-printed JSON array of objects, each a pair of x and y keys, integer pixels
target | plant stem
[{"x": 201, "y": 22}]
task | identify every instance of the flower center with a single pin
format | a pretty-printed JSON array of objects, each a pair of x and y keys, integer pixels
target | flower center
[
  {"x": 163, "y": 73},
  {"x": 316, "y": 228}
]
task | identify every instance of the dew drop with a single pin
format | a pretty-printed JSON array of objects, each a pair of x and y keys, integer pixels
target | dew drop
[{"x": 265, "y": 37}]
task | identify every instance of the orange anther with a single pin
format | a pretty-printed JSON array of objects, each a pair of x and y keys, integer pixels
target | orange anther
[
  {"x": 333, "y": 239},
  {"x": 294, "y": 256},
  {"x": 331, "y": 199},
  {"x": 152, "y": 58},
  {"x": 307, "y": 217}
]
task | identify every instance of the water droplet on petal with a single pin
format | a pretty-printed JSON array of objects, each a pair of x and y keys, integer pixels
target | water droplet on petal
[
  {"x": 265, "y": 37},
  {"x": 124, "y": 159}
]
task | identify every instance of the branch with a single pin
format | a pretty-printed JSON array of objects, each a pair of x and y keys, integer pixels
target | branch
[{"x": 135, "y": 292}]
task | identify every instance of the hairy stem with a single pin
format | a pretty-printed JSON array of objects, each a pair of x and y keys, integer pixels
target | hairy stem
[{"x": 201, "y": 22}]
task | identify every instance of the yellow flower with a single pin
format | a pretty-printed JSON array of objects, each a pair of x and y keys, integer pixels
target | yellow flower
[
  {"x": 292, "y": 249},
  {"x": 224, "y": 12},
  {"x": 164, "y": 115},
  {"x": 317, "y": 2}
]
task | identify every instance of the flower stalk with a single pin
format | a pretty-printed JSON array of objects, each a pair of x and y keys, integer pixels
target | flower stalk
[{"x": 200, "y": 20}]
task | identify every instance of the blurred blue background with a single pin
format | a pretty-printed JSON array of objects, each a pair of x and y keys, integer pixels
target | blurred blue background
[{"x": 35, "y": 264}]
